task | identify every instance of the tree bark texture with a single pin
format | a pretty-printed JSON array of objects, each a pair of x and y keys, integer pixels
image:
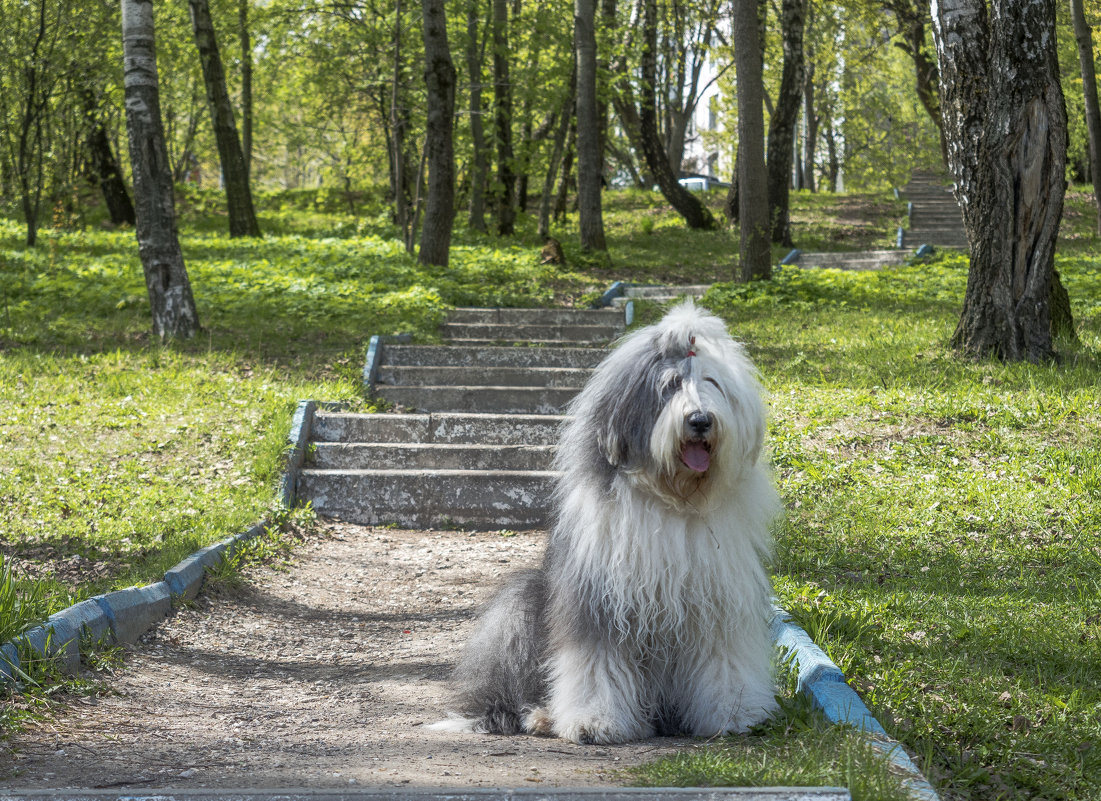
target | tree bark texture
[
  {"x": 1006, "y": 122},
  {"x": 694, "y": 212},
  {"x": 174, "y": 313},
  {"x": 242, "y": 215},
  {"x": 756, "y": 253},
  {"x": 590, "y": 159},
  {"x": 479, "y": 168},
  {"x": 502, "y": 103},
  {"x": 1083, "y": 37},
  {"x": 781, "y": 125},
  {"x": 439, "y": 77}
]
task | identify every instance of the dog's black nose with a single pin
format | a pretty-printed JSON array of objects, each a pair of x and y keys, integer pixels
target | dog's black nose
[{"x": 699, "y": 423}]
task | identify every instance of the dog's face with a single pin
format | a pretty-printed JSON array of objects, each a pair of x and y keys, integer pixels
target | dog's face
[{"x": 678, "y": 407}]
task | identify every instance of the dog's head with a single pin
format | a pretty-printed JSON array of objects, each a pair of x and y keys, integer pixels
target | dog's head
[{"x": 676, "y": 406}]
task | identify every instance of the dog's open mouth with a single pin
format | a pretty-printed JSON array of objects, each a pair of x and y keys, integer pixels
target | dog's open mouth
[{"x": 696, "y": 455}]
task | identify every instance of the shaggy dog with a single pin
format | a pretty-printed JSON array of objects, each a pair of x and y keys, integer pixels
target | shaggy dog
[{"x": 649, "y": 612}]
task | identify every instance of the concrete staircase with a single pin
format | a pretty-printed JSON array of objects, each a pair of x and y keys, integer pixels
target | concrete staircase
[
  {"x": 476, "y": 452},
  {"x": 860, "y": 260},
  {"x": 659, "y": 294},
  {"x": 935, "y": 217}
]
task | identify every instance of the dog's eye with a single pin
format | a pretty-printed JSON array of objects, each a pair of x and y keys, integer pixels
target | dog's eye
[
  {"x": 713, "y": 382},
  {"x": 674, "y": 383}
]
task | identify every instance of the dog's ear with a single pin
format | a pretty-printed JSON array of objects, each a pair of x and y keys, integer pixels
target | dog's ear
[{"x": 629, "y": 403}]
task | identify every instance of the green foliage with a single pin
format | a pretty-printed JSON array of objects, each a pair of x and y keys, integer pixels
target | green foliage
[{"x": 23, "y": 604}]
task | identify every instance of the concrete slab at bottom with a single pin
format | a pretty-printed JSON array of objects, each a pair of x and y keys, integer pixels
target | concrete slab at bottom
[{"x": 458, "y": 794}]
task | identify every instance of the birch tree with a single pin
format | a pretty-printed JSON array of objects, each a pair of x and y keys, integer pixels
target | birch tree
[
  {"x": 1007, "y": 140},
  {"x": 166, "y": 280}
]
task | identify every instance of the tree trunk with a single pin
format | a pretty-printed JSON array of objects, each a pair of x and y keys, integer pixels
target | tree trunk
[
  {"x": 479, "y": 166},
  {"x": 564, "y": 120},
  {"x": 242, "y": 215},
  {"x": 502, "y": 102},
  {"x": 810, "y": 139},
  {"x": 1006, "y": 124},
  {"x": 694, "y": 212},
  {"x": 833, "y": 160},
  {"x": 1084, "y": 37},
  {"x": 781, "y": 126},
  {"x": 105, "y": 167},
  {"x": 564, "y": 179},
  {"x": 174, "y": 313},
  {"x": 439, "y": 77},
  {"x": 246, "y": 85},
  {"x": 756, "y": 254},
  {"x": 590, "y": 161},
  {"x": 912, "y": 16}
]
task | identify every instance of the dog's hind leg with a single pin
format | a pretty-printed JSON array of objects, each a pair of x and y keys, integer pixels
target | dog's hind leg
[
  {"x": 499, "y": 676},
  {"x": 724, "y": 689}
]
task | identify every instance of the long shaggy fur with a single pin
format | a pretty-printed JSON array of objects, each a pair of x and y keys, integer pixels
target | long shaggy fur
[{"x": 648, "y": 613}]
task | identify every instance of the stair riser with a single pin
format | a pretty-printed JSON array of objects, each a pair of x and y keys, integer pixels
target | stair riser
[
  {"x": 489, "y": 356},
  {"x": 485, "y": 429},
  {"x": 536, "y": 316},
  {"x": 492, "y": 376},
  {"x": 523, "y": 333},
  {"x": 375, "y": 456},
  {"x": 502, "y": 400},
  {"x": 431, "y": 500}
]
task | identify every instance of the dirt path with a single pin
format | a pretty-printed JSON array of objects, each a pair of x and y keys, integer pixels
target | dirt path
[{"x": 318, "y": 675}]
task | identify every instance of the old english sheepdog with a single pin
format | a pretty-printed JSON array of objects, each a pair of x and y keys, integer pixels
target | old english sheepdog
[{"x": 648, "y": 614}]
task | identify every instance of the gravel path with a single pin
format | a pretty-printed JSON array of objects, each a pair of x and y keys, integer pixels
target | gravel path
[{"x": 319, "y": 674}]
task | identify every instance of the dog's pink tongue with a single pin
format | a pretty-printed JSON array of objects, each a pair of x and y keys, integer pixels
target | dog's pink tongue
[{"x": 696, "y": 457}]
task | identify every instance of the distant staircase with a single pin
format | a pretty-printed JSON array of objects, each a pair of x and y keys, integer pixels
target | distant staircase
[
  {"x": 934, "y": 217},
  {"x": 476, "y": 450}
]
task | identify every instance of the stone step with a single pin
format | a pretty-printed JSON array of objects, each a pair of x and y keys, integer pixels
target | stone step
[
  {"x": 490, "y": 376},
  {"x": 429, "y": 456},
  {"x": 552, "y": 316},
  {"x": 497, "y": 399},
  {"x": 667, "y": 291},
  {"x": 864, "y": 260},
  {"x": 444, "y": 428},
  {"x": 489, "y": 356},
  {"x": 471, "y": 499},
  {"x": 563, "y": 333}
]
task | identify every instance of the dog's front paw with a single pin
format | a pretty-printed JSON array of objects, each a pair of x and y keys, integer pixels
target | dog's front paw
[{"x": 591, "y": 731}]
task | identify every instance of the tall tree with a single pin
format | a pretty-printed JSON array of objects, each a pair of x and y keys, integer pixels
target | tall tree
[
  {"x": 245, "y": 39},
  {"x": 502, "y": 103},
  {"x": 479, "y": 167},
  {"x": 781, "y": 124},
  {"x": 439, "y": 77},
  {"x": 912, "y": 17},
  {"x": 590, "y": 159},
  {"x": 1083, "y": 37},
  {"x": 756, "y": 254},
  {"x": 645, "y": 123},
  {"x": 1007, "y": 133},
  {"x": 242, "y": 214},
  {"x": 106, "y": 171},
  {"x": 166, "y": 280}
]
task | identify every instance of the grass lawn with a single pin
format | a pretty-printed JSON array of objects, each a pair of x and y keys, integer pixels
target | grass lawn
[{"x": 942, "y": 537}]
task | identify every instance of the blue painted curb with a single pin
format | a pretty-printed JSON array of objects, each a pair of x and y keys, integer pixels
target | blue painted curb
[
  {"x": 132, "y": 611},
  {"x": 616, "y": 290},
  {"x": 823, "y": 682},
  {"x": 127, "y": 614},
  {"x": 371, "y": 363},
  {"x": 792, "y": 257}
]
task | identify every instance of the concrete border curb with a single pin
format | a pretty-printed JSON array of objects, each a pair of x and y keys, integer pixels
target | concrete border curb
[
  {"x": 124, "y": 615},
  {"x": 443, "y": 794},
  {"x": 823, "y": 682}
]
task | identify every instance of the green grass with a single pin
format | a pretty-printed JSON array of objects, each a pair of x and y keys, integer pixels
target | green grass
[{"x": 941, "y": 539}]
